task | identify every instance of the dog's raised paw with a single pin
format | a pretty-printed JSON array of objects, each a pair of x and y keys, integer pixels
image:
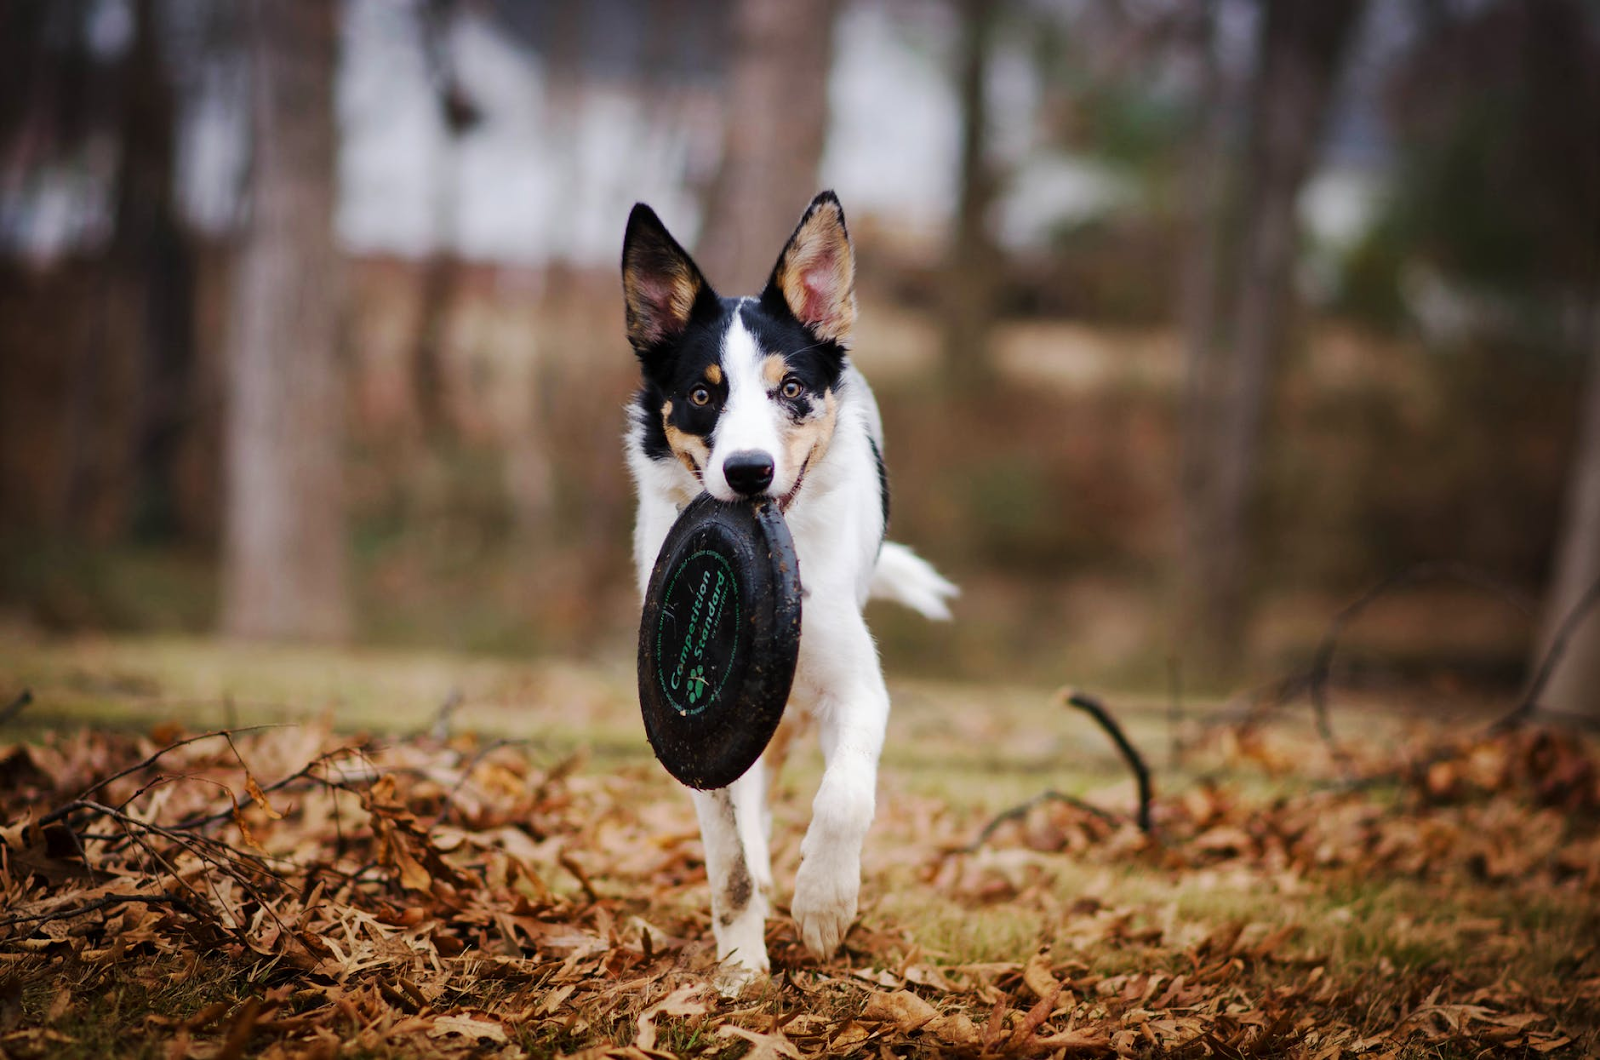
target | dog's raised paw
[{"x": 824, "y": 904}]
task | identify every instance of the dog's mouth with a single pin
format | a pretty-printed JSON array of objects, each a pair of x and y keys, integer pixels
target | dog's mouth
[
  {"x": 794, "y": 491},
  {"x": 784, "y": 500}
]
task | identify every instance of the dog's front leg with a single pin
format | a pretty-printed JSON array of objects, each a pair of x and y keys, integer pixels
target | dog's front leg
[
  {"x": 852, "y": 708},
  {"x": 733, "y": 829}
]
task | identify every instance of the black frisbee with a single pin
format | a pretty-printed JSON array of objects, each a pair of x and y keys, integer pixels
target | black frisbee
[{"x": 718, "y": 639}]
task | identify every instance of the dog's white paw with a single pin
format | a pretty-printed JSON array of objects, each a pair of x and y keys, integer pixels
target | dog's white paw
[
  {"x": 824, "y": 907},
  {"x": 742, "y": 948},
  {"x": 734, "y": 975}
]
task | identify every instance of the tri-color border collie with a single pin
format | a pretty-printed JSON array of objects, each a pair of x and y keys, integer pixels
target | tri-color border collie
[{"x": 747, "y": 397}]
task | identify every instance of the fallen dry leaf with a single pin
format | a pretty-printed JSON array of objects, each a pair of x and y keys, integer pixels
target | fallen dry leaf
[
  {"x": 683, "y": 1001},
  {"x": 762, "y": 1046},
  {"x": 470, "y": 1027},
  {"x": 903, "y": 1009}
]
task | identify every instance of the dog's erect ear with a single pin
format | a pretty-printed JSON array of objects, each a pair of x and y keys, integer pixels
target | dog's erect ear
[
  {"x": 660, "y": 282},
  {"x": 816, "y": 273}
]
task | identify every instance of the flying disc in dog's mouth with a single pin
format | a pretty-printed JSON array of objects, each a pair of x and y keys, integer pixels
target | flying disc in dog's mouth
[{"x": 718, "y": 639}]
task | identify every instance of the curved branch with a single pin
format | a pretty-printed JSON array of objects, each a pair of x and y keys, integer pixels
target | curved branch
[
  {"x": 16, "y": 706},
  {"x": 1021, "y": 810},
  {"x": 1322, "y": 663},
  {"x": 1570, "y": 622},
  {"x": 1092, "y": 707}
]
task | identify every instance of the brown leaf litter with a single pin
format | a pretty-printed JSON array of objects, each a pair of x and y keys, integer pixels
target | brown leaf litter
[{"x": 289, "y": 892}]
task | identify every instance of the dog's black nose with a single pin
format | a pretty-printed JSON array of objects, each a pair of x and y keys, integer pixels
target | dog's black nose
[{"x": 749, "y": 471}]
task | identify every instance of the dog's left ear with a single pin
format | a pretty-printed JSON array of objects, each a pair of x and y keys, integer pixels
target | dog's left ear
[{"x": 816, "y": 274}]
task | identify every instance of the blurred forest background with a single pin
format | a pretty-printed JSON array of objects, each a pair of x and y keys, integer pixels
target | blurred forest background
[{"x": 1191, "y": 320}]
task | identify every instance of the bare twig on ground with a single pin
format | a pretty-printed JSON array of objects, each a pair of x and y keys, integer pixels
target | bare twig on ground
[
  {"x": 67, "y": 912},
  {"x": 243, "y": 868},
  {"x": 567, "y": 862},
  {"x": 1569, "y": 718},
  {"x": 305, "y": 773},
  {"x": 1529, "y": 703},
  {"x": 1174, "y": 712},
  {"x": 1021, "y": 810},
  {"x": 1322, "y": 663},
  {"x": 1246, "y": 709},
  {"x": 447, "y": 805},
  {"x": 1092, "y": 707},
  {"x": 160, "y": 843},
  {"x": 70, "y": 807},
  {"x": 440, "y": 729},
  {"x": 16, "y": 706}
]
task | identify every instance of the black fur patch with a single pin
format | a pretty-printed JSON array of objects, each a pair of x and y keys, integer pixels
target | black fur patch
[
  {"x": 739, "y": 887},
  {"x": 648, "y": 401},
  {"x": 883, "y": 483},
  {"x": 818, "y": 364},
  {"x": 671, "y": 371},
  {"x": 736, "y": 896}
]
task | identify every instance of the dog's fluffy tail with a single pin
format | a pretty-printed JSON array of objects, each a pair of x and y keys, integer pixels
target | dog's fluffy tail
[{"x": 906, "y": 578}]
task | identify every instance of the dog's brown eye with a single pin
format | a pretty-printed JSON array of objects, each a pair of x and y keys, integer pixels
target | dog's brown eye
[
  {"x": 792, "y": 388},
  {"x": 699, "y": 396}
]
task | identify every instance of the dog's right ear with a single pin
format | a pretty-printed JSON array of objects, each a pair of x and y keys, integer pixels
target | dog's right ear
[{"x": 660, "y": 282}]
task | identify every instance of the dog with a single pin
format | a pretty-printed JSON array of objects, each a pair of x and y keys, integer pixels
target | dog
[{"x": 750, "y": 397}]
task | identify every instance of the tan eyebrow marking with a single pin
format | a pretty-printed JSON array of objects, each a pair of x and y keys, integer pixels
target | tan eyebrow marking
[
  {"x": 714, "y": 373},
  {"x": 773, "y": 369}
]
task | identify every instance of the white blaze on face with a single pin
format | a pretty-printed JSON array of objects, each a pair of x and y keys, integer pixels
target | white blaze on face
[{"x": 750, "y": 419}]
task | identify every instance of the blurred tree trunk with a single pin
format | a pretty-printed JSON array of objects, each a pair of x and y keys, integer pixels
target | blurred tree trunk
[
  {"x": 1199, "y": 294},
  {"x": 66, "y": 102},
  {"x": 969, "y": 273},
  {"x": 22, "y": 57},
  {"x": 1300, "y": 46},
  {"x": 284, "y": 522},
  {"x": 776, "y": 126},
  {"x": 1575, "y": 685},
  {"x": 46, "y": 74},
  {"x": 153, "y": 281},
  {"x": 436, "y": 296},
  {"x": 441, "y": 271}
]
